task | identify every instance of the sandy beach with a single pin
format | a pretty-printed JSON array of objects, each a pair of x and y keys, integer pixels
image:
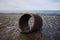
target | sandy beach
[{"x": 9, "y": 28}]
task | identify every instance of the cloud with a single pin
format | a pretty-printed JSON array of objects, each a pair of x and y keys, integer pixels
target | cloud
[
  {"x": 55, "y": 1},
  {"x": 29, "y": 5}
]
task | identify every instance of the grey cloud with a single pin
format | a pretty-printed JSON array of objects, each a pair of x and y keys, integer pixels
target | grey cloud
[{"x": 28, "y": 5}]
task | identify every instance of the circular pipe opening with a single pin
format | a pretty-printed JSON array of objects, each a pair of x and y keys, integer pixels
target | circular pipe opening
[
  {"x": 24, "y": 20},
  {"x": 24, "y": 23},
  {"x": 30, "y": 23}
]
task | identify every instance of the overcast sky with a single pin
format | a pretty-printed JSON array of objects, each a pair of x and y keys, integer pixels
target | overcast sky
[{"x": 29, "y": 4}]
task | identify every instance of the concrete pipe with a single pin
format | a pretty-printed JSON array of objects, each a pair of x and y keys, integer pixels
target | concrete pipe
[{"x": 30, "y": 23}]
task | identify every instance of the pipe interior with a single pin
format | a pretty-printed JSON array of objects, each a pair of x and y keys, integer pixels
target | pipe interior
[{"x": 23, "y": 22}]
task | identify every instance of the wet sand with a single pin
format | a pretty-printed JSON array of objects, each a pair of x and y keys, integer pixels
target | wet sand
[{"x": 9, "y": 28}]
